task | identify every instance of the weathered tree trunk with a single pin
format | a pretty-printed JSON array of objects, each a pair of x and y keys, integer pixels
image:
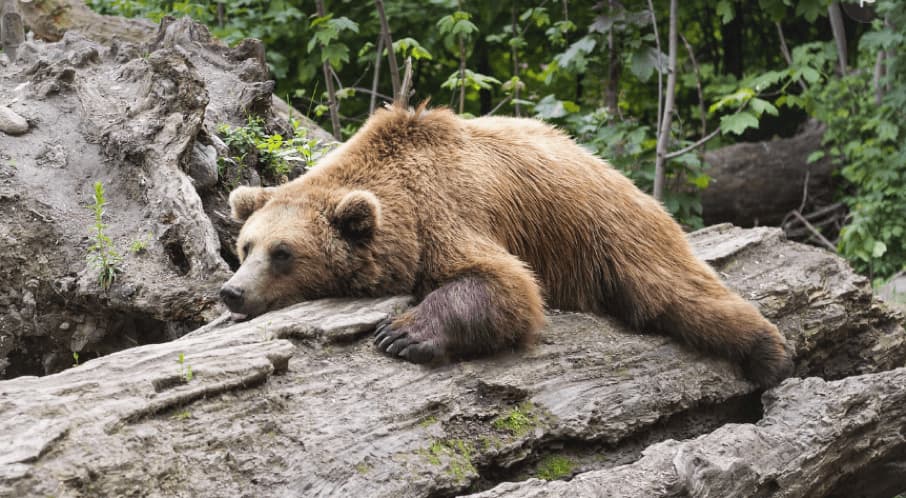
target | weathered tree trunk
[
  {"x": 51, "y": 19},
  {"x": 760, "y": 183},
  {"x": 298, "y": 402},
  {"x": 141, "y": 119}
]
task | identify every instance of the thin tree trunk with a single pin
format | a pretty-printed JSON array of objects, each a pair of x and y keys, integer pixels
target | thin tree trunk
[
  {"x": 515, "y": 57},
  {"x": 876, "y": 77},
  {"x": 836, "y": 22},
  {"x": 388, "y": 44},
  {"x": 484, "y": 67},
  {"x": 462, "y": 74},
  {"x": 660, "y": 81},
  {"x": 613, "y": 69},
  {"x": 377, "y": 74},
  {"x": 664, "y": 137},
  {"x": 331, "y": 90},
  {"x": 462, "y": 69}
]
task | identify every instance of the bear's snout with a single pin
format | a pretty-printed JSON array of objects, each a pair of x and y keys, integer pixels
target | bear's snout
[{"x": 231, "y": 296}]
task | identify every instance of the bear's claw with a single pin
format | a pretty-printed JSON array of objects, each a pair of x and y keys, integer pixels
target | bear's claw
[{"x": 398, "y": 342}]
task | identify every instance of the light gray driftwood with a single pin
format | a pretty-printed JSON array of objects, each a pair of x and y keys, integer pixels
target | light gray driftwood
[{"x": 299, "y": 403}]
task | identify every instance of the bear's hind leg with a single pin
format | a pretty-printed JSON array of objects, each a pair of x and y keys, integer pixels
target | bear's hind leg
[{"x": 488, "y": 303}]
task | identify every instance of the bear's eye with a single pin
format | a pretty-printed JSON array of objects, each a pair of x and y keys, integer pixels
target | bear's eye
[{"x": 281, "y": 254}]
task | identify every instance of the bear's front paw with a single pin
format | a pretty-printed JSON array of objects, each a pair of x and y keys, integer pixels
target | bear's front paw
[{"x": 402, "y": 338}]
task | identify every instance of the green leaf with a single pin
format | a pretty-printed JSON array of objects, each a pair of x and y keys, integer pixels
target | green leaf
[
  {"x": 726, "y": 11},
  {"x": 574, "y": 56},
  {"x": 814, "y": 156},
  {"x": 763, "y": 106},
  {"x": 411, "y": 46},
  {"x": 887, "y": 130},
  {"x": 551, "y": 108},
  {"x": 810, "y": 75},
  {"x": 738, "y": 97},
  {"x": 335, "y": 54},
  {"x": 810, "y": 9},
  {"x": 645, "y": 61},
  {"x": 879, "y": 249},
  {"x": 344, "y": 23},
  {"x": 700, "y": 181},
  {"x": 738, "y": 123}
]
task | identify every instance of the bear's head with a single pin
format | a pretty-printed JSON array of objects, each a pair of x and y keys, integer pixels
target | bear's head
[{"x": 299, "y": 244}]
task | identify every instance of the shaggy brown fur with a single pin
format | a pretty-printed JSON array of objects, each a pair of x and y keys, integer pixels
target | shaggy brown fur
[{"x": 479, "y": 219}]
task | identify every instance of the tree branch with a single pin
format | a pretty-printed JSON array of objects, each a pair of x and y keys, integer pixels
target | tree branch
[
  {"x": 388, "y": 42},
  {"x": 688, "y": 148},
  {"x": 331, "y": 90},
  {"x": 815, "y": 231},
  {"x": 836, "y": 22},
  {"x": 657, "y": 43},
  {"x": 402, "y": 99},
  {"x": 377, "y": 74}
]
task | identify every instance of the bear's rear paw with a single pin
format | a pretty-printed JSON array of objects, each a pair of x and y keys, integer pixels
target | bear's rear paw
[
  {"x": 769, "y": 361},
  {"x": 403, "y": 340}
]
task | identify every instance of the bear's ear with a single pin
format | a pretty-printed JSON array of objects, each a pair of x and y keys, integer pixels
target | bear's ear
[
  {"x": 357, "y": 215},
  {"x": 246, "y": 200}
]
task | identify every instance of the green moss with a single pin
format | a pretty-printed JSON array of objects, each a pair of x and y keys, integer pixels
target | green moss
[
  {"x": 428, "y": 421},
  {"x": 456, "y": 451},
  {"x": 518, "y": 421},
  {"x": 183, "y": 415},
  {"x": 363, "y": 468},
  {"x": 554, "y": 467}
]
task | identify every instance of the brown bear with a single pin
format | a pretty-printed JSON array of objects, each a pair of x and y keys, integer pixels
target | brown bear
[{"x": 484, "y": 220}]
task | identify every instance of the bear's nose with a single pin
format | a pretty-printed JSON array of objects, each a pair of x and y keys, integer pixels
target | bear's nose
[{"x": 231, "y": 296}]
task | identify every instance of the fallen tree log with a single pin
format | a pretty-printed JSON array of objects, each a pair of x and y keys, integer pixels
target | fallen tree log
[
  {"x": 760, "y": 183},
  {"x": 298, "y": 401}
]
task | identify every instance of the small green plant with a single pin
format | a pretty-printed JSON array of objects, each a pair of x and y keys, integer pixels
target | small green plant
[
  {"x": 275, "y": 154},
  {"x": 554, "y": 467},
  {"x": 140, "y": 245},
  {"x": 102, "y": 253},
  {"x": 517, "y": 421},
  {"x": 428, "y": 421},
  {"x": 75, "y": 358},
  {"x": 183, "y": 415},
  {"x": 185, "y": 370}
]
